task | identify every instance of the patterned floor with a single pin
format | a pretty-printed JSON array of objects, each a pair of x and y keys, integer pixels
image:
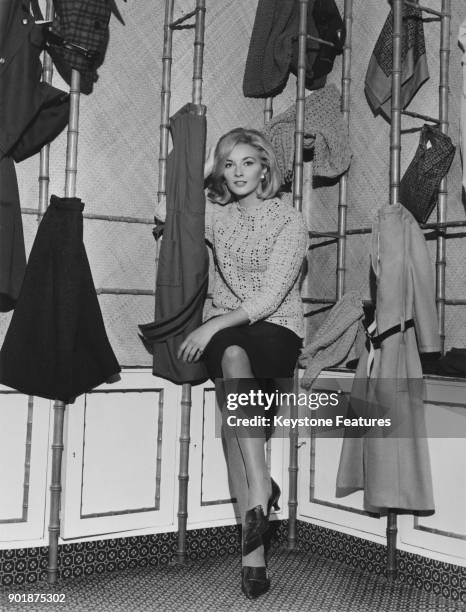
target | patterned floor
[{"x": 300, "y": 581}]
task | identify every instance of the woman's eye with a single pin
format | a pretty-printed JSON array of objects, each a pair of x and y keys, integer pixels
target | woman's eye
[{"x": 228, "y": 165}]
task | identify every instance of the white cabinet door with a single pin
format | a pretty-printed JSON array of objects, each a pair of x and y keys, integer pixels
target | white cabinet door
[
  {"x": 443, "y": 534},
  {"x": 24, "y": 430},
  {"x": 120, "y": 449}
]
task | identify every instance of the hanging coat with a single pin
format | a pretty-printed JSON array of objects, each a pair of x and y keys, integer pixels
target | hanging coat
[
  {"x": 12, "y": 251},
  {"x": 273, "y": 49},
  {"x": 32, "y": 113},
  {"x": 394, "y": 471},
  {"x": 56, "y": 345},
  {"x": 414, "y": 71},
  {"x": 462, "y": 43},
  {"x": 183, "y": 267}
]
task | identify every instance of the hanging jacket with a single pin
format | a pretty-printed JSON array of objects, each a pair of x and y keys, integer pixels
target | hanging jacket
[
  {"x": 32, "y": 113},
  {"x": 12, "y": 251},
  {"x": 414, "y": 71},
  {"x": 323, "y": 21},
  {"x": 56, "y": 345},
  {"x": 421, "y": 181},
  {"x": 273, "y": 49},
  {"x": 183, "y": 267},
  {"x": 394, "y": 469},
  {"x": 79, "y": 37},
  {"x": 462, "y": 43}
]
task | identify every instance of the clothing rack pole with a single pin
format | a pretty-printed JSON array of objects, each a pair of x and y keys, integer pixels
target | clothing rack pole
[
  {"x": 186, "y": 401},
  {"x": 44, "y": 160},
  {"x": 59, "y": 406},
  {"x": 165, "y": 100},
  {"x": 343, "y": 186},
  {"x": 268, "y": 114},
  {"x": 298, "y": 204},
  {"x": 440, "y": 264},
  {"x": 395, "y": 150}
]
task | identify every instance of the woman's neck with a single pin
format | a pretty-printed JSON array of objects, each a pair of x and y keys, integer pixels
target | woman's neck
[{"x": 250, "y": 201}]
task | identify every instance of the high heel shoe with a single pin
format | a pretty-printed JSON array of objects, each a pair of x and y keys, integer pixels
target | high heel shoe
[
  {"x": 274, "y": 497},
  {"x": 255, "y": 525},
  {"x": 254, "y": 581}
]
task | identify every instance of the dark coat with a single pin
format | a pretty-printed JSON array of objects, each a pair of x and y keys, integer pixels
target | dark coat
[
  {"x": 183, "y": 266},
  {"x": 273, "y": 49},
  {"x": 32, "y": 113},
  {"x": 56, "y": 345},
  {"x": 12, "y": 251}
]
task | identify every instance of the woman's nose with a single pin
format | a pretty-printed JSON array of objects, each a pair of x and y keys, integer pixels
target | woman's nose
[{"x": 238, "y": 171}]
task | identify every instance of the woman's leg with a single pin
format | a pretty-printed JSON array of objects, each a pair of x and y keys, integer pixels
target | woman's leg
[{"x": 246, "y": 456}]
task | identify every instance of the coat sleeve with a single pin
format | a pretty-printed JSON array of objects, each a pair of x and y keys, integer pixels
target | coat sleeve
[
  {"x": 425, "y": 312},
  {"x": 282, "y": 270}
]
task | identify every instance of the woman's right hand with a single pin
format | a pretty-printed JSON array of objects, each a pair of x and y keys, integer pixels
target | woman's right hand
[{"x": 209, "y": 162}]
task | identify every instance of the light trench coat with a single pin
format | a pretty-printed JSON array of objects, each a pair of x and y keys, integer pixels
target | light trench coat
[{"x": 393, "y": 467}]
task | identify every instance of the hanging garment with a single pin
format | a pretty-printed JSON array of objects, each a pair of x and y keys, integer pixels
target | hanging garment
[
  {"x": 32, "y": 113},
  {"x": 56, "y": 345},
  {"x": 414, "y": 71},
  {"x": 420, "y": 183},
  {"x": 183, "y": 267},
  {"x": 323, "y": 21},
  {"x": 334, "y": 339},
  {"x": 12, "y": 251},
  {"x": 394, "y": 471},
  {"x": 273, "y": 49},
  {"x": 462, "y": 42},
  {"x": 324, "y": 130},
  {"x": 79, "y": 37}
]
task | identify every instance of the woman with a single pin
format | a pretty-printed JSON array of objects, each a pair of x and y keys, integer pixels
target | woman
[{"x": 254, "y": 327}]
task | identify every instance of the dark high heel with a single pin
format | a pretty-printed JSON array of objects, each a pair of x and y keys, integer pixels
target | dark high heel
[
  {"x": 274, "y": 497},
  {"x": 255, "y": 525},
  {"x": 254, "y": 581}
]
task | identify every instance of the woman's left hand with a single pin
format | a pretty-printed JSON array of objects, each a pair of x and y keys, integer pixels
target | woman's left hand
[{"x": 193, "y": 346}]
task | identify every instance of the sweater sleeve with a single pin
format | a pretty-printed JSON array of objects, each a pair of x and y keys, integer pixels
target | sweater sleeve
[{"x": 282, "y": 270}]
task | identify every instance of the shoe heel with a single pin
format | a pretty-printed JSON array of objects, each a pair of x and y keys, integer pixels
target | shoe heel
[{"x": 274, "y": 497}]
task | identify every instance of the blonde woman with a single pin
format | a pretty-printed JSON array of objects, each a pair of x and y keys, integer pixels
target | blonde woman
[{"x": 254, "y": 328}]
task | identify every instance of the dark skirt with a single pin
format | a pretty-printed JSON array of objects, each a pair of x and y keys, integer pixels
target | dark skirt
[{"x": 272, "y": 349}]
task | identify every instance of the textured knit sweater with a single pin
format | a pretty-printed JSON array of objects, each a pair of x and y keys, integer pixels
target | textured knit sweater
[{"x": 258, "y": 256}]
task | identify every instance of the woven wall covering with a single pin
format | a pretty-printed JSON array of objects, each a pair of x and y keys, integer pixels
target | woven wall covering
[{"x": 119, "y": 139}]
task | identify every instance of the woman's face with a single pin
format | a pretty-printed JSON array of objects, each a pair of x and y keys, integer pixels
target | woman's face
[{"x": 243, "y": 170}]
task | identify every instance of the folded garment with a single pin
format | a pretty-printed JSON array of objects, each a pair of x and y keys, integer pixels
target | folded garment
[
  {"x": 333, "y": 340},
  {"x": 325, "y": 131},
  {"x": 414, "y": 71}
]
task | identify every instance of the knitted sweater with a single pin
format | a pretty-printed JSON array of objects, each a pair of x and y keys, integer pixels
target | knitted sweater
[{"x": 258, "y": 256}]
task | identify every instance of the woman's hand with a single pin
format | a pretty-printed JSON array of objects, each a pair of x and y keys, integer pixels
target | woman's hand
[
  {"x": 193, "y": 346},
  {"x": 209, "y": 162}
]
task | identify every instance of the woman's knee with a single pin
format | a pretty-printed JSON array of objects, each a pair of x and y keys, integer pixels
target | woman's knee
[{"x": 234, "y": 357}]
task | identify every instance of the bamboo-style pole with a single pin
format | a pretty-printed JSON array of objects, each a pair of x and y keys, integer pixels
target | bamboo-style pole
[
  {"x": 186, "y": 401},
  {"x": 395, "y": 151},
  {"x": 44, "y": 163},
  {"x": 343, "y": 186},
  {"x": 27, "y": 458},
  {"x": 268, "y": 109},
  {"x": 165, "y": 97},
  {"x": 440, "y": 264},
  {"x": 298, "y": 204},
  {"x": 59, "y": 406}
]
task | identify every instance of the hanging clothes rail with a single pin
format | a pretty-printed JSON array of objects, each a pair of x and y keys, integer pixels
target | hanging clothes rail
[
  {"x": 169, "y": 26},
  {"x": 59, "y": 406}
]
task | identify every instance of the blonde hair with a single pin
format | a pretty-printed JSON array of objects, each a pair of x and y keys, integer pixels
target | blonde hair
[{"x": 218, "y": 190}]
